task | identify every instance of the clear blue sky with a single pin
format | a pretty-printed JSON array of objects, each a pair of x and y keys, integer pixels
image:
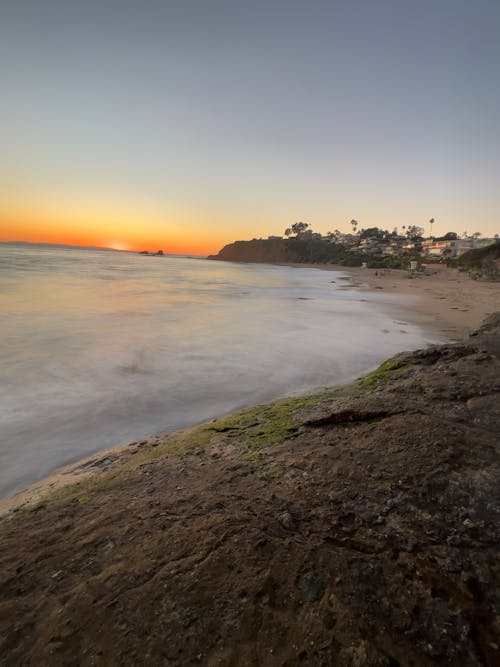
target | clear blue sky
[{"x": 210, "y": 119}]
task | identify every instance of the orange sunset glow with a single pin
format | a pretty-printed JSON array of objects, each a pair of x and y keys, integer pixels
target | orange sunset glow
[
  {"x": 189, "y": 136},
  {"x": 107, "y": 226},
  {"x": 113, "y": 235},
  {"x": 250, "y": 333}
]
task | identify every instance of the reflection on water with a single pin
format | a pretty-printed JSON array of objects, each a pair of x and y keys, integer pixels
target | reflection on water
[{"x": 99, "y": 348}]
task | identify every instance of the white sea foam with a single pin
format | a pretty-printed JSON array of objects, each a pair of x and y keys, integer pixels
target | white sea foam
[{"x": 99, "y": 348}]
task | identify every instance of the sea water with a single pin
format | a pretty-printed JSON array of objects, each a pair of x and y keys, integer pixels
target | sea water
[{"x": 99, "y": 348}]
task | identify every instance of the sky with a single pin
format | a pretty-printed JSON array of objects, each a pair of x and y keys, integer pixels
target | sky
[{"x": 185, "y": 125}]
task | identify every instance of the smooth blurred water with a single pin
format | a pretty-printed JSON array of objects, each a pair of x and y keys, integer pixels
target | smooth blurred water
[{"x": 98, "y": 348}]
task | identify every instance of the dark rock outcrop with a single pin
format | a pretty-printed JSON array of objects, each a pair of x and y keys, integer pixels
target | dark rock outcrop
[
  {"x": 358, "y": 528},
  {"x": 258, "y": 250}
]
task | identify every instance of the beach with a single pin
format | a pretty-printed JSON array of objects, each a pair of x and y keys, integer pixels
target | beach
[
  {"x": 101, "y": 349},
  {"x": 225, "y": 441},
  {"x": 345, "y": 526},
  {"x": 441, "y": 299},
  {"x": 445, "y": 302}
]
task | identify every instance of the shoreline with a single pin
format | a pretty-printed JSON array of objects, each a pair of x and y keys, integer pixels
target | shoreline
[{"x": 443, "y": 301}]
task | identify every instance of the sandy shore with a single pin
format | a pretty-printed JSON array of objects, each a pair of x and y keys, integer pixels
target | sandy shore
[
  {"x": 444, "y": 300},
  {"x": 441, "y": 300}
]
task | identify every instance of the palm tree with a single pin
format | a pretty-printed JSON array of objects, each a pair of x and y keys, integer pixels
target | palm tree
[
  {"x": 354, "y": 224},
  {"x": 431, "y": 222}
]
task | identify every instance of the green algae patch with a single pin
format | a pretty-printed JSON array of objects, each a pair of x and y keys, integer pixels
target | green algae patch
[
  {"x": 258, "y": 427},
  {"x": 252, "y": 431},
  {"x": 390, "y": 370}
]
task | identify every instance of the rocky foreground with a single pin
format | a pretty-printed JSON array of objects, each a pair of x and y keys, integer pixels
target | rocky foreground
[{"x": 355, "y": 527}]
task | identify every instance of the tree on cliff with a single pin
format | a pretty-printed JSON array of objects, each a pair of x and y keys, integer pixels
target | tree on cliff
[
  {"x": 297, "y": 228},
  {"x": 373, "y": 232},
  {"x": 449, "y": 236},
  {"x": 413, "y": 232},
  {"x": 334, "y": 236}
]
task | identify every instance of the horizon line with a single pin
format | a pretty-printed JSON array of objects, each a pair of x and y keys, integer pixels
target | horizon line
[{"x": 96, "y": 247}]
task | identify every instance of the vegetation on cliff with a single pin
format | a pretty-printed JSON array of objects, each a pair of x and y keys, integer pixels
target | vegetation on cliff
[
  {"x": 481, "y": 262},
  {"x": 307, "y": 251},
  {"x": 377, "y": 247}
]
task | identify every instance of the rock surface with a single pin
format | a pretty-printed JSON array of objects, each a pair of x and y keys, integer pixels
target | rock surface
[
  {"x": 258, "y": 250},
  {"x": 357, "y": 528}
]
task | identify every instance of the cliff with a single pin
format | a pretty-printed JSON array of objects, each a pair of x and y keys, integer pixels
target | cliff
[
  {"x": 355, "y": 527},
  {"x": 258, "y": 250},
  {"x": 308, "y": 251}
]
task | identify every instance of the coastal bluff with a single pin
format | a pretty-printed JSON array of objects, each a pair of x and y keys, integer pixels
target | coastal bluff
[
  {"x": 355, "y": 527},
  {"x": 258, "y": 250},
  {"x": 293, "y": 250}
]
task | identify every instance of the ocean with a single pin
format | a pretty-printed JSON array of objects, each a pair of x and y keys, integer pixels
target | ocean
[{"x": 99, "y": 348}]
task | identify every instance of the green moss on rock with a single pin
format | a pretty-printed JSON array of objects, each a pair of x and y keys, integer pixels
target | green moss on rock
[{"x": 390, "y": 370}]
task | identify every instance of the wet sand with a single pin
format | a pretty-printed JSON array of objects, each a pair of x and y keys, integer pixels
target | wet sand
[{"x": 440, "y": 299}]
